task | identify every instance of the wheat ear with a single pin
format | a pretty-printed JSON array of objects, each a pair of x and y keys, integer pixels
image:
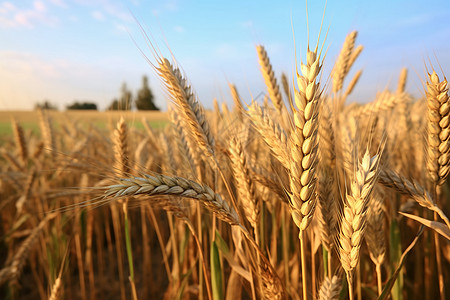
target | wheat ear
[
  {"x": 245, "y": 186},
  {"x": 402, "y": 81},
  {"x": 120, "y": 139},
  {"x": 343, "y": 62},
  {"x": 189, "y": 108},
  {"x": 355, "y": 214},
  {"x": 47, "y": 132},
  {"x": 330, "y": 288},
  {"x": 352, "y": 84},
  {"x": 21, "y": 143},
  {"x": 238, "y": 107},
  {"x": 158, "y": 184},
  {"x": 272, "y": 133},
  {"x": 304, "y": 142},
  {"x": 270, "y": 79},
  {"x": 413, "y": 189},
  {"x": 304, "y": 154},
  {"x": 438, "y": 131},
  {"x": 56, "y": 290}
]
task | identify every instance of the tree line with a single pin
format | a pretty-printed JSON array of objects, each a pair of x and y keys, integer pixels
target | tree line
[{"x": 143, "y": 100}]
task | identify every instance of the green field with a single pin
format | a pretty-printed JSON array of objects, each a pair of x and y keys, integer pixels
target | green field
[{"x": 29, "y": 120}]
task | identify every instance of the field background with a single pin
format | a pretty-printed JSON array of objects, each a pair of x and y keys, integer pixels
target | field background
[{"x": 100, "y": 119}]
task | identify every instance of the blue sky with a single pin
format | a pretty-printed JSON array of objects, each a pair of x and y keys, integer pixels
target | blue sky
[{"x": 65, "y": 50}]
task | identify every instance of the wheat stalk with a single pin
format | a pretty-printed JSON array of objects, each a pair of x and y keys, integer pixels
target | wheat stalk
[{"x": 376, "y": 242}]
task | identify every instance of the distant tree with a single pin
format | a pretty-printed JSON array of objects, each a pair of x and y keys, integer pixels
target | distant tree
[
  {"x": 144, "y": 100},
  {"x": 46, "y": 104},
  {"x": 82, "y": 105},
  {"x": 125, "y": 100}
]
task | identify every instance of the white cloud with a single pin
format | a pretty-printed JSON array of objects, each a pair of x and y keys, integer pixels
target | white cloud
[
  {"x": 12, "y": 16},
  {"x": 30, "y": 78},
  {"x": 59, "y": 3},
  {"x": 39, "y": 6},
  {"x": 7, "y": 7},
  {"x": 114, "y": 9},
  {"x": 247, "y": 24},
  {"x": 98, "y": 15},
  {"x": 178, "y": 29}
]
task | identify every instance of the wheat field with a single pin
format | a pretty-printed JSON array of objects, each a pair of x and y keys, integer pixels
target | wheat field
[{"x": 303, "y": 196}]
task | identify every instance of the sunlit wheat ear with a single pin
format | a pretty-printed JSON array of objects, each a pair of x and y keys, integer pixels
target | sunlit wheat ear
[
  {"x": 352, "y": 84},
  {"x": 330, "y": 288},
  {"x": 375, "y": 229},
  {"x": 56, "y": 290},
  {"x": 121, "y": 155},
  {"x": 158, "y": 184},
  {"x": 326, "y": 129},
  {"x": 304, "y": 141},
  {"x": 327, "y": 214},
  {"x": 286, "y": 88},
  {"x": 438, "y": 131},
  {"x": 189, "y": 109},
  {"x": 354, "y": 216},
  {"x": 411, "y": 188},
  {"x": 270, "y": 79},
  {"x": 343, "y": 62},
  {"x": 187, "y": 151},
  {"x": 272, "y": 286},
  {"x": 272, "y": 133},
  {"x": 402, "y": 81},
  {"x": 21, "y": 143},
  {"x": 47, "y": 132},
  {"x": 245, "y": 186},
  {"x": 238, "y": 106}
]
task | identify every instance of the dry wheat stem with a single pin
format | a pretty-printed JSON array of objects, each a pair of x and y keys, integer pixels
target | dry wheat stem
[{"x": 374, "y": 235}]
